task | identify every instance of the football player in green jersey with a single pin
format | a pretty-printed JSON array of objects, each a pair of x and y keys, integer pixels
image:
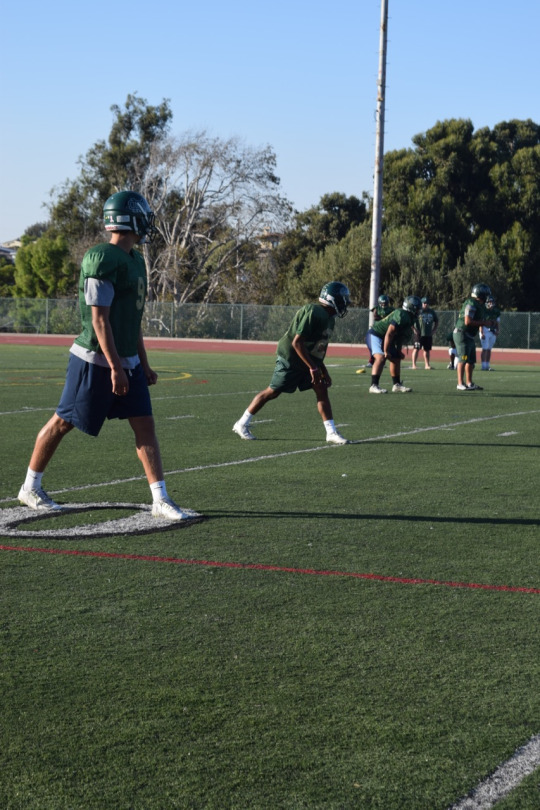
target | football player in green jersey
[
  {"x": 429, "y": 321},
  {"x": 472, "y": 316},
  {"x": 383, "y": 308},
  {"x": 108, "y": 371},
  {"x": 385, "y": 340},
  {"x": 300, "y": 360},
  {"x": 488, "y": 335}
]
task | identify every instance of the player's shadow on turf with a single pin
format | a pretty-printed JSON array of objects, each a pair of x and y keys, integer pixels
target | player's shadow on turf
[
  {"x": 480, "y": 521},
  {"x": 472, "y": 443},
  {"x": 498, "y": 395}
]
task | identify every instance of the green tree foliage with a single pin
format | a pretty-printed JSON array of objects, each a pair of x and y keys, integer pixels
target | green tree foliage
[
  {"x": 312, "y": 233},
  {"x": 118, "y": 163},
  {"x": 7, "y": 277},
  {"x": 473, "y": 200},
  {"x": 212, "y": 199},
  {"x": 348, "y": 261},
  {"x": 44, "y": 269}
]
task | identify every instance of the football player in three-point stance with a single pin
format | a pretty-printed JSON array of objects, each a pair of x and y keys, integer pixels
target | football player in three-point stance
[
  {"x": 383, "y": 308},
  {"x": 300, "y": 360},
  {"x": 108, "y": 372},
  {"x": 385, "y": 340}
]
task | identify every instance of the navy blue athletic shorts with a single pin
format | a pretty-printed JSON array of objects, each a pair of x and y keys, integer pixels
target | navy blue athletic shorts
[{"x": 87, "y": 399}]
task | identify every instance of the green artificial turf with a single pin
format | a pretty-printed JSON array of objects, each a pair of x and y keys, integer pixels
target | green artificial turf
[{"x": 249, "y": 660}]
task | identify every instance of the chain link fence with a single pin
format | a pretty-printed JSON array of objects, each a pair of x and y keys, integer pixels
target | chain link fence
[{"x": 519, "y": 330}]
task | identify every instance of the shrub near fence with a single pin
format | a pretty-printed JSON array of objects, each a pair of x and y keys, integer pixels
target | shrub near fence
[{"x": 519, "y": 330}]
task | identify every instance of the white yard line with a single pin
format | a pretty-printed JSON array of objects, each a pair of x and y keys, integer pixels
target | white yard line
[
  {"x": 287, "y": 453},
  {"x": 504, "y": 779}
]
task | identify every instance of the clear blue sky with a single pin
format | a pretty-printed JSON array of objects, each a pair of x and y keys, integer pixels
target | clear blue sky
[{"x": 300, "y": 76}]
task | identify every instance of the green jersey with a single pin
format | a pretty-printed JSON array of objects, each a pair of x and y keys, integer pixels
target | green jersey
[
  {"x": 404, "y": 322},
  {"x": 380, "y": 312},
  {"x": 472, "y": 308},
  {"x": 428, "y": 319},
  {"x": 127, "y": 274},
  {"x": 494, "y": 314},
  {"x": 315, "y": 325}
]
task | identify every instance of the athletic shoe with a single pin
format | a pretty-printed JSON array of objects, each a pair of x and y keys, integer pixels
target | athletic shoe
[
  {"x": 450, "y": 366},
  {"x": 374, "y": 389},
  {"x": 336, "y": 438},
  {"x": 39, "y": 500},
  {"x": 474, "y": 387},
  {"x": 166, "y": 508},
  {"x": 243, "y": 431},
  {"x": 399, "y": 388},
  {"x": 462, "y": 388}
]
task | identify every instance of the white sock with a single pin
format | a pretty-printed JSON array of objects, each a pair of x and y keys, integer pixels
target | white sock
[
  {"x": 32, "y": 480},
  {"x": 246, "y": 418},
  {"x": 330, "y": 426},
  {"x": 158, "y": 490}
]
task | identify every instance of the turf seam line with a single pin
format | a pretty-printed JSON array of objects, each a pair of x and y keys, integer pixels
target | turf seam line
[
  {"x": 504, "y": 779},
  {"x": 280, "y": 569},
  {"x": 285, "y": 454}
]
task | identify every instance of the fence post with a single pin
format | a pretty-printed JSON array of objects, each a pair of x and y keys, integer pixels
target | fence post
[
  {"x": 46, "y": 316},
  {"x": 529, "y": 331},
  {"x": 241, "y": 321},
  {"x": 172, "y": 319}
]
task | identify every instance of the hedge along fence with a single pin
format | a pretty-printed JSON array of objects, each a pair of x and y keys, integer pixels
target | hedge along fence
[{"x": 60, "y": 316}]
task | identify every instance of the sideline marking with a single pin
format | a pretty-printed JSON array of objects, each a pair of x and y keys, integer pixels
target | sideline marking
[
  {"x": 504, "y": 778},
  {"x": 280, "y": 569},
  {"x": 287, "y": 453}
]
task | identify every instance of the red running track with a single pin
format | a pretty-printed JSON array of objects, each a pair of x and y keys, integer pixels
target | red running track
[{"x": 354, "y": 350}]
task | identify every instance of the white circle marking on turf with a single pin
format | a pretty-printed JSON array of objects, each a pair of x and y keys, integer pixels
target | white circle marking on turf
[{"x": 16, "y": 522}]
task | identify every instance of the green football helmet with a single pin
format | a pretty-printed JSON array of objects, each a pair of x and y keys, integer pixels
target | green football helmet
[
  {"x": 129, "y": 211},
  {"x": 383, "y": 300},
  {"x": 413, "y": 304},
  {"x": 481, "y": 292},
  {"x": 337, "y": 295}
]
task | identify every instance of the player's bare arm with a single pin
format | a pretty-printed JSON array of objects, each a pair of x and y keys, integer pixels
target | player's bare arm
[
  {"x": 389, "y": 339},
  {"x": 326, "y": 376},
  {"x": 299, "y": 346},
  {"x": 103, "y": 330},
  {"x": 151, "y": 375}
]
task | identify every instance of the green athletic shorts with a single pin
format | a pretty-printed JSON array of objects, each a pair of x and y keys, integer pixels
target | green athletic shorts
[
  {"x": 465, "y": 347},
  {"x": 288, "y": 379}
]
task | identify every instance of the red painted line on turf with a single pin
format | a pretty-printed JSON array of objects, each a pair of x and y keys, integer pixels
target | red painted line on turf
[{"x": 275, "y": 568}]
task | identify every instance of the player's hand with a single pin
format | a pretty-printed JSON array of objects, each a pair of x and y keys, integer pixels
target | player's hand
[
  {"x": 120, "y": 382},
  {"x": 151, "y": 376}
]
